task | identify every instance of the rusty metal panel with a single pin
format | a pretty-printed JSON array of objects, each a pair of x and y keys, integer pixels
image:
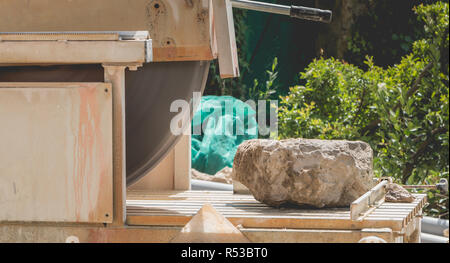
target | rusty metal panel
[
  {"x": 60, "y": 233},
  {"x": 181, "y": 30},
  {"x": 56, "y": 152}
]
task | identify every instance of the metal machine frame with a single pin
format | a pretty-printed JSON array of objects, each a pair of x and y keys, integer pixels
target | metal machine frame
[{"x": 151, "y": 216}]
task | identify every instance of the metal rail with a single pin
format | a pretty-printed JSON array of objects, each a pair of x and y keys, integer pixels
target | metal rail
[
  {"x": 441, "y": 186},
  {"x": 300, "y": 12}
]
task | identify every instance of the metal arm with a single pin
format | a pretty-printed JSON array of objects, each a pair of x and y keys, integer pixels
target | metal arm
[{"x": 301, "y": 12}]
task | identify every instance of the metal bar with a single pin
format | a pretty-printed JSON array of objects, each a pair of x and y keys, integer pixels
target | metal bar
[
  {"x": 441, "y": 186},
  {"x": 77, "y": 35},
  {"x": 419, "y": 186},
  {"x": 301, "y": 12},
  {"x": 262, "y": 7}
]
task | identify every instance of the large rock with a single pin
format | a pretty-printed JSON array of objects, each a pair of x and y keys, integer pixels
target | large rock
[{"x": 319, "y": 173}]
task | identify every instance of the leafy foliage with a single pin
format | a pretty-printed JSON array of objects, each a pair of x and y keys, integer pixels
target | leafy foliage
[
  {"x": 401, "y": 110},
  {"x": 265, "y": 92},
  {"x": 331, "y": 104}
]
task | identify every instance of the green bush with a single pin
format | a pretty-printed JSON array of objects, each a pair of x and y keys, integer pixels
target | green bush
[
  {"x": 332, "y": 104},
  {"x": 401, "y": 111}
]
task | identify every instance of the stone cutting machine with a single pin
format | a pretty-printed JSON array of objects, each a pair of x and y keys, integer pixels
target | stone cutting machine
[{"x": 85, "y": 93}]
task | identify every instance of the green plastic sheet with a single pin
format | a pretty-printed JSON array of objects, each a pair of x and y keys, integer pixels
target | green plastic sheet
[{"x": 219, "y": 125}]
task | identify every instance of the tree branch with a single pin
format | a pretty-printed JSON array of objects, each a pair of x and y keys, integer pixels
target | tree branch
[
  {"x": 415, "y": 86},
  {"x": 420, "y": 151},
  {"x": 416, "y": 83}
]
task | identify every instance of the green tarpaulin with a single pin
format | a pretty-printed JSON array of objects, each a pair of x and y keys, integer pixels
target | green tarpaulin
[{"x": 219, "y": 125}]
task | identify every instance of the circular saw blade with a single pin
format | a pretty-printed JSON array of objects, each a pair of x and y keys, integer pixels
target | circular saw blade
[{"x": 150, "y": 93}]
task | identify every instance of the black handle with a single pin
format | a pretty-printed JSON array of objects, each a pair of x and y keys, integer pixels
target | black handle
[{"x": 312, "y": 14}]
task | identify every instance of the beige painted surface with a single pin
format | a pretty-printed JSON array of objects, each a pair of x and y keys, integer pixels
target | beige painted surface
[
  {"x": 267, "y": 235},
  {"x": 176, "y": 208},
  {"x": 93, "y": 234},
  {"x": 160, "y": 178},
  {"x": 38, "y": 233},
  {"x": 226, "y": 39},
  {"x": 313, "y": 230},
  {"x": 173, "y": 173},
  {"x": 368, "y": 201},
  {"x": 182, "y": 163},
  {"x": 71, "y": 52},
  {"x": 180, "y": 29},
  {"x": 209, "y": 226},
  {"x": 56, "y": 152},
  {"x": 115, "y": 75}
]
